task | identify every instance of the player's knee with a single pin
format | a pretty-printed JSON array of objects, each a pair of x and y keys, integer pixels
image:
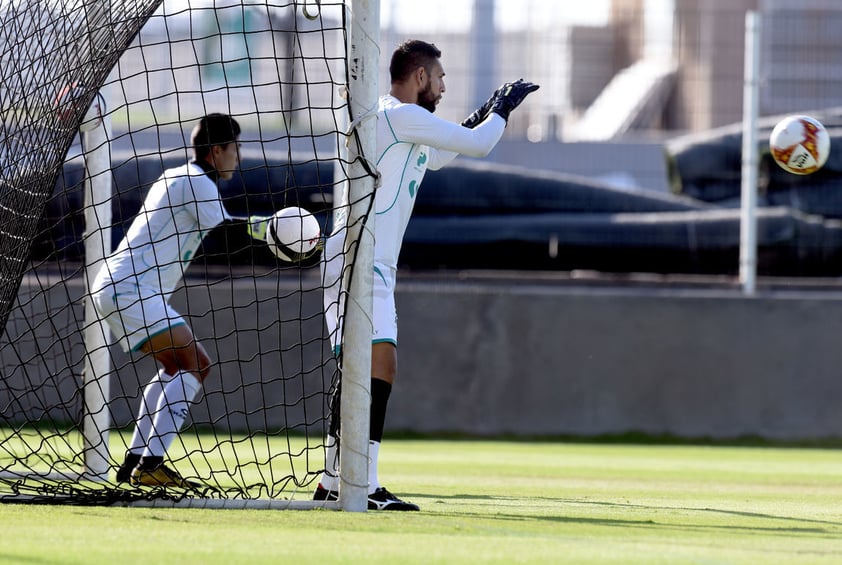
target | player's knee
[
  {"x": 167, "y": 360},
  {"x": 194, "y": 360}
]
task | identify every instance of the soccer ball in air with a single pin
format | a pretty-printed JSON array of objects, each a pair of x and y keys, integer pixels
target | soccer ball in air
[
  {"x": 292, "y": 234},
  {"x": 800, "y": 144}
]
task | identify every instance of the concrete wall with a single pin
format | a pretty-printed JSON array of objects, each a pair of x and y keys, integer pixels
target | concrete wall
[
  {"x": 515, "y": 355},
  {"x": 264, "y": 332},
  {"x": 526, "y": 358}
]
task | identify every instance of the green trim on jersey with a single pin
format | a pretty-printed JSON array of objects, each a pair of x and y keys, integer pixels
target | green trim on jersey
[
  {"x": 403, "y": 174},
  {"x": 338, "y": 349},
  {"x": 379, "y": 273},
  {"x": 405, "y": 164}
]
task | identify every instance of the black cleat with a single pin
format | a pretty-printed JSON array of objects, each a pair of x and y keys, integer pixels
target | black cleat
[
  {"x": 382, "y": 499},
  {"x": 124, "y": 473},
  {"x": 325, "y": 494}
]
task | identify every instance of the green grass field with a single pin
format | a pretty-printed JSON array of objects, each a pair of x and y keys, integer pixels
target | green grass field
[{"x": 494, "y": 502}]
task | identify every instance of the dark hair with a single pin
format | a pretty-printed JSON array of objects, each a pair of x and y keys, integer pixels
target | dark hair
[
  {"x": 410, "y": 55},
  {"x": 213, "y": 129}
]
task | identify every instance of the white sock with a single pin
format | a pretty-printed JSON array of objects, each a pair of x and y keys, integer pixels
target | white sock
[
  {"x": 148, "y": 404},
  {"x": 171, "y": 412},
  {"x": 373, "y": 454},
  {"x": 330, "y": 478}
]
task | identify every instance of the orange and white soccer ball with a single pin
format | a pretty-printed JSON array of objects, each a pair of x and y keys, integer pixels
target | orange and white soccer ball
[{"x": 800, "y": 144}]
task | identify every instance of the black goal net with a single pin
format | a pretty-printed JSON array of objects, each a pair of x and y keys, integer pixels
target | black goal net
[{"x": 106, "y": 93}]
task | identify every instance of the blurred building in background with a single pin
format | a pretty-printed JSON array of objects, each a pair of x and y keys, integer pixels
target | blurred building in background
[
  {"x": 609, "y": 69},
  {"x": 660, "y": 67},
  {"x": 625, "y": 74},
  {"x": 635, "y": 133}
]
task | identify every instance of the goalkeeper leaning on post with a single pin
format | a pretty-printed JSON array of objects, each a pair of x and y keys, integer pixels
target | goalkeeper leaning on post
[
  {"x": 132, "y": 289},
  {"x": 410, "y": 140}
]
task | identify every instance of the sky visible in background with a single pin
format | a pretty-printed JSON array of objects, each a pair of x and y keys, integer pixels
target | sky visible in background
[
  {"x": 457, "y": 15},
  {"x": 450, "y": 15}
]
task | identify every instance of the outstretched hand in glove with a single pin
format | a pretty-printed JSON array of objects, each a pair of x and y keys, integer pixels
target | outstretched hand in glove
[
  {"x": 502, "y": 102},
  {"x": 511, "y": 96}
]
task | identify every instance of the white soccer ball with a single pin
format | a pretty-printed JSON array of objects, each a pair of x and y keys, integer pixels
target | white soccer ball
[
  {"x": 800, "y": 144},
  {"x": 292, "y": 233}
]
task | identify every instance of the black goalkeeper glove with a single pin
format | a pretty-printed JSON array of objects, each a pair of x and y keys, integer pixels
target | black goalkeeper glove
[
  {"x": 481, "y": 113},
  {"x": 478, "y": 115},
  {"x": 510, "y": 97}
]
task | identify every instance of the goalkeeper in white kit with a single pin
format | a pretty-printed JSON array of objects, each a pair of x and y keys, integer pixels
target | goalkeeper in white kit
[{"x": 410, "y": 140}]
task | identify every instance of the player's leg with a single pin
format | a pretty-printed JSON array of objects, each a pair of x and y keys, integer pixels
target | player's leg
[
  {"x": 384, "y": 361},
  {"x": 332, "y": 266},
  {"x": 152, "y": 393},
  {"x": 384, "y": 365},
  {"x": 177, "y": 349},
  {"x": 187, "y": 361},
  {"x": 383, "y": 371},
  {"x": 384, "y": 368},
  {"x": 384, "y": 324}
]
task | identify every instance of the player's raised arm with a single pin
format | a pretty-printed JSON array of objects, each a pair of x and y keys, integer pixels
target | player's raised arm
[
  {"x": 506, "y": 98},
  {"x": 481, "y": 131}
]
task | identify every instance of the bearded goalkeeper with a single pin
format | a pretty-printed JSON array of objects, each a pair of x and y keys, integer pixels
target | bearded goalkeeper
[{"x": 410, "y": 140}]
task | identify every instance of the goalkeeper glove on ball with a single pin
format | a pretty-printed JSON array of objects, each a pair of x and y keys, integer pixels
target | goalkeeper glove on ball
[{"x": 256, "y": 227}]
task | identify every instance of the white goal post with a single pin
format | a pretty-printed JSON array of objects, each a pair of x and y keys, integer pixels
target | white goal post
[
  {"x": 98, "y": 193},
  {"x": 750, "y": 155},
  {"x": 97, "y": 372},
  {"x": 363, "y": 58}
]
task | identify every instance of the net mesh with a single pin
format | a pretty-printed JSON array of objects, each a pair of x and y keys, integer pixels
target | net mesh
[{"x": 257, "y": 428}]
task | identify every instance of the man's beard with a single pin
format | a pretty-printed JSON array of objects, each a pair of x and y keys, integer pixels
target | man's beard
[{"x": 427, "y": 99}]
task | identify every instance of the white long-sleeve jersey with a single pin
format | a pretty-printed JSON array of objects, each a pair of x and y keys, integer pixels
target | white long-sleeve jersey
[
  {"x": 178, "y": 212},
  {"x": 410, "y": 140}
]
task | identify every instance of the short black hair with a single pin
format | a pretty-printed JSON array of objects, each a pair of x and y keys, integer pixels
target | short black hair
[
  {"x": 213, "y": 129},
  {"x": 410, "y": 55}
]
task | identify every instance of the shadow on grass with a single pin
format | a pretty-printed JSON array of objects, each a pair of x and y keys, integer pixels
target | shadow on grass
[
  {"x": 627, "y": 438},
  {"x": 9, "y": 558},
  {"x": 541, "y": 509}
]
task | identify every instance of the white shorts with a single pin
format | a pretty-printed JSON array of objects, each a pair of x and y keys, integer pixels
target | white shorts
[
  {"x": 384, "y": 315},
  {"x": 133, "y": 316}
]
